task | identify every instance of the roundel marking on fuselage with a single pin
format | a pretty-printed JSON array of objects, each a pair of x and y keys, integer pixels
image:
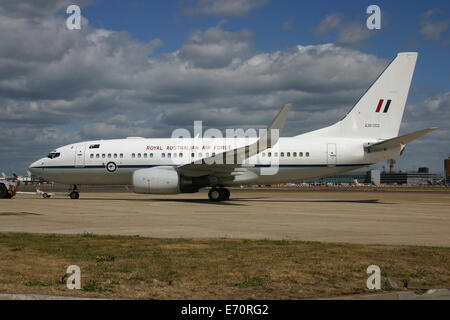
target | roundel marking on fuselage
[{"x": 111, "y": 167}]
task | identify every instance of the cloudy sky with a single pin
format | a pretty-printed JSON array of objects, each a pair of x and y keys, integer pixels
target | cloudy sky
[{"x": 145, "y": 68}]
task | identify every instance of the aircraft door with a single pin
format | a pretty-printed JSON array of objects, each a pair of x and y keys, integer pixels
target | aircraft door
[
  {"x": 79, "y": 156},
  {"x": 331, "y": 154}
]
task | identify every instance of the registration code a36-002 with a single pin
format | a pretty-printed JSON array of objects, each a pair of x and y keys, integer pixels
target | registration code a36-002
[{"x": 372, "y": 125}]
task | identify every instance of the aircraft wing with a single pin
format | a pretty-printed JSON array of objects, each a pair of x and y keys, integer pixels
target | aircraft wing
[
  {"x": 233, "y": 159},
  {"x": 395, "y": 142}
]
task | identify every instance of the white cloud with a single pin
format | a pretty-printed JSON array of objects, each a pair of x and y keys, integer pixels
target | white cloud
[
  {"x": 228, "y": 8},
  {"x": 37, "y": 8},
  {"x": 348, "y": 32},
  {"x": 330, "y": 22},
  {"x": 434, "y": 30},
  {"x": 216, "y": 48}
]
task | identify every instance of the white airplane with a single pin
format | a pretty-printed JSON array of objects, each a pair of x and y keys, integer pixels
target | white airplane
[{"x": 368, "y": 134}]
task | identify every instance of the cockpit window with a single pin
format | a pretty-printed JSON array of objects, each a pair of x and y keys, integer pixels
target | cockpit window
[{"x": 53, "y": 155}]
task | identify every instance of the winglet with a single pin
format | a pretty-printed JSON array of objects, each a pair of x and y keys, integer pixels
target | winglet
[
  {"x": 276, "y": 126},
  {"x": 267, "y": 140},
  {"x": 280, "y": 119}
]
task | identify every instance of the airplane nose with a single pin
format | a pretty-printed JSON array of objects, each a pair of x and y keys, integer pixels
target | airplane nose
[{"x": 33, "y": 168}]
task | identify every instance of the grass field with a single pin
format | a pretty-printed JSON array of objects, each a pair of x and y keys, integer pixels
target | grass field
[{"x": 146, "y": 268}]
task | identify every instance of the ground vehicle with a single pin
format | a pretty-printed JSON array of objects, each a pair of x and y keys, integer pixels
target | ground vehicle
[{"x": 8, "y": 188}]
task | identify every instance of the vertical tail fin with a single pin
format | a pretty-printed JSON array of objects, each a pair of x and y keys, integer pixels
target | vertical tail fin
[{"x": 378, "y": 114}]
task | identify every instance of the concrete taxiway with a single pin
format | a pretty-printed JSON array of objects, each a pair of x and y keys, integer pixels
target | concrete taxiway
[{"x": 403, "y": 218}]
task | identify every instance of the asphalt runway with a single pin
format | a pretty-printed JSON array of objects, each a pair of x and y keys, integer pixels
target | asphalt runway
[{"x": 403, "y": 218}]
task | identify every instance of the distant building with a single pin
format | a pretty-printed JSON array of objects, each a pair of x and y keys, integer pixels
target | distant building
[
  {"x": 410, "y": 178},
  {"x": 376, "y": 177},
  {"x": 424, "y": 170}
]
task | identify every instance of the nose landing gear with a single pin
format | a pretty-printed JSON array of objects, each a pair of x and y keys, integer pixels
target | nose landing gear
[{"x": 218, "y": 194}]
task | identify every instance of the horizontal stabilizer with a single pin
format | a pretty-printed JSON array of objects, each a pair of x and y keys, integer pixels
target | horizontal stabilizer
[{"x": 395, "y": 142}]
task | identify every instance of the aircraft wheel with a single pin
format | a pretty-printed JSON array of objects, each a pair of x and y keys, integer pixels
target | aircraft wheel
[
  {"x": 215, "y": 194},
  {"x": 226, "y": 193},
  {"x": 3, "y": 191},
  {"x": 74, "y": 195}
]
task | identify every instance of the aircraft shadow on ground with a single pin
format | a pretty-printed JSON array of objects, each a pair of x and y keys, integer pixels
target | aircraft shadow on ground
[
  {"x": 369, "y": 201},
  {"x": 205, "y": 201},
  {"x": 258, "y": 199}
]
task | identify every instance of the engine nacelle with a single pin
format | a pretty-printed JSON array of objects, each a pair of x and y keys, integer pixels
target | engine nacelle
[{"x": 162, "y": 180}]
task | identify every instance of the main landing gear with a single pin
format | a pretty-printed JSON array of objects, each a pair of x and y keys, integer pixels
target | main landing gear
[
  {"x": 219, "y": 194},
  {"x": 74, "y": 194}
]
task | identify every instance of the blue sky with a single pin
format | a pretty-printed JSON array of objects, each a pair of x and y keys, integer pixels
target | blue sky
[{"x": 148, "y": 67}]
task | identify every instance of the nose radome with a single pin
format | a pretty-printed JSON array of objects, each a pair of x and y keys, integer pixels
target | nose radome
[{"x": 33, "y": 168}]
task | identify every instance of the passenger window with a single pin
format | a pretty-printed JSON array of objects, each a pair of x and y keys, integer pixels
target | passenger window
[
  {"x": 145, "y": 155},
  {"x": 133, "y": 155},
  {"x": 294, "y": 154},
  {"x": 180, "y": 155},
  {"x": 139, "y": 155},
  {"x": 192, "y": 155},
  {"x": 97, "y": 155},
  {"x": 307, "y": 154},
  {"x": 163, "y": 155},
  {"x": 92, "y": 156},
  {"x": 269, "y": 154},
  {"x": 282, "y": 154},
  {"x": 109, "y": 155},
  {"x": 121, "y": 155},
  {"x": 288, "y": 154},
  {"x": 300, "y": 154},
  {"x": 151, "y": 155},
  {"x": 175, "y": 155},
  {"x": 169, "y": 155},
  {"x": 103, "y": 155},
  {"x": 115, "y": 155}
]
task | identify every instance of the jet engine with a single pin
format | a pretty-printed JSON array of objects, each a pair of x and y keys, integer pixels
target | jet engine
[{"x": 165, "y": 180}]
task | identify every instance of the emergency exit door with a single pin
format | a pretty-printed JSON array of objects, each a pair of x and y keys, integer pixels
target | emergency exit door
[{"x": 331, "y": 154}]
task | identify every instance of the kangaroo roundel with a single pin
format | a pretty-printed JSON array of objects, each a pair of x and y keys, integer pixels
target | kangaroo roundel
[{"x": 111, "y": 167}]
